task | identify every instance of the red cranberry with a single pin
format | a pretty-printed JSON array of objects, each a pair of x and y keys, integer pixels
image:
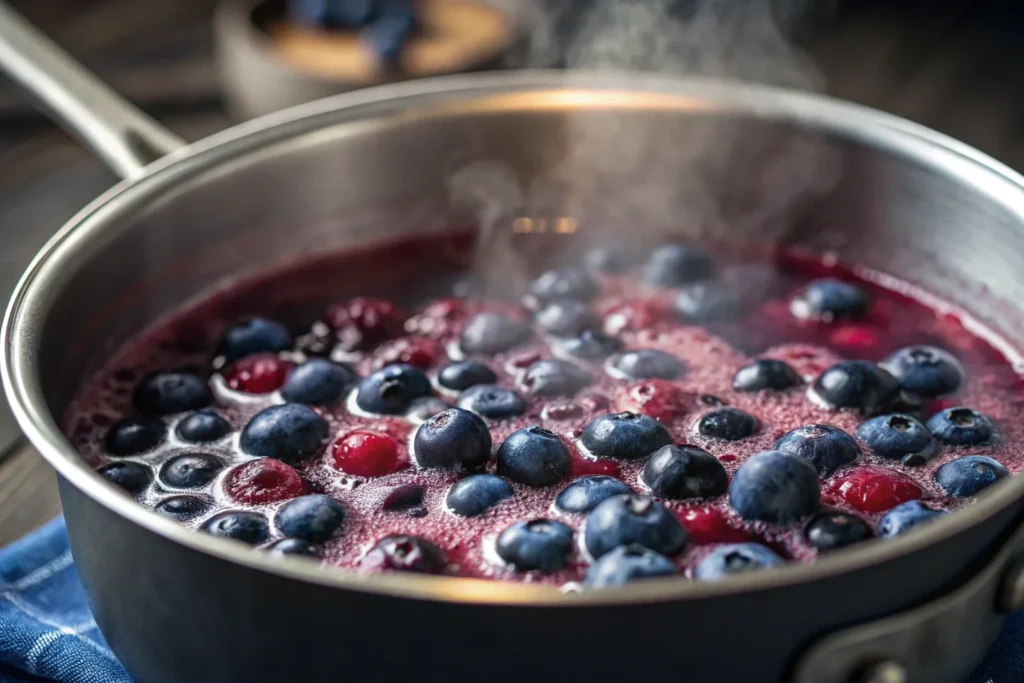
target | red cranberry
[
  {"x": 708, "y": 524},
  {"x": 580, "y": 467},
  {"x": 657, "y": 398},
  {"x": 418, "y": 351},
  {"x": 633, "y": 315},
  {"x": 368, "y": 454},
  {"x": 872, "y": 490},
  {"x": 362, "y": 323},
  {"x": 259, "y": 374},
  {"x": 263, "y": 481}
]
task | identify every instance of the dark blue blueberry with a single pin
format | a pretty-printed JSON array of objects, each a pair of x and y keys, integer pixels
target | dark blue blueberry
[
  {"x": 830, "y": 299},
  {"x": 775, "y": 486},
  {"x": 648, "y": 364},
  {"x": 590, "y": 345},
  {"x": 925, "y": 371},
  {"x": 961, "y": 427},
  {"x": 130, "y": 476},
  {"x": 312, "y": 518},
  {"x": 491, "y": 333},
  {"x": 390, "y": 390},
  {"x": 731, "y": 424},
  {"x": 626, "y": 436},
  {"x": 735, "y": 558},
  {"x": 403, "y": 553},
  {"x": 164, "y": 393},
  {"x": 626, "y": 564},
  {"x": 969, "y": 475},
  {"x": 476, "y": 494},
  {"x": 766, "y": 374},
  {"x": 552, "y": 378},
  {"x": 827, "y": 448},
  {"x": 533, "y": 456},
  {"x": 830, "y": 530},
  {"x": 292, "y": 546},
  {"x": 134, "y": 435},
  {"x": 318, "y": 382},
  {"x": 255, "y": 335},
  {"x": 183, "y": 508},
  {"x": 540, "y": 544},
  {"x": 677, "y": 264},
  {"x": 611, "y": 259},
  {"x": 390, "y": 30},
  {"x": 288, "y": 432},
  {"x": 241, "y": 525},
  {"x": 465, "y": 374},
  {"x": 566, "y": 318},
  {"x": 905, "y": 517},
  {"x": 857, "y": 384},
  {"x": 492, "y": 402},
  {"x": 898, "y": 437},
  {"x": 707, "y": 302},
  {"x": 627, "y": 519},
  {"x": 190, "y": 471},
  {"x": 453, "y": 438},
  {"x": 585, "y": 493},
  {"x": 682, "y": 472},
  {"x": 423, "y": 408},
  {"x": 331, "y": 13},
  {"x": 403, "y": 497},
  {"x": 564, "y": 283},
  {"x": 202, "y": 427}
]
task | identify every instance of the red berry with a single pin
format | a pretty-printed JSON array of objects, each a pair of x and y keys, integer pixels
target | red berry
[
  {"x": 368, "y": 454},
  {"x": 872, "y": 490},
  {"x": 524, "y": 360},
  {"x": 657, "y": 398},
  {"x": 258, "y": 374},
  {"x": 263, "y": 481},
  {"x": 633, "y": 315},
  {"x": 580, "y": 467},
  {"x": 855, "y": 338},
  {"x": 362, "y": 323},
  {"x": 708, "y": 524},
  {"x": 418, "y": 351}
]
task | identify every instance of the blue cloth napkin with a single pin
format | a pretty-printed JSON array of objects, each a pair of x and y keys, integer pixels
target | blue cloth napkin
[{"x": 47, "y": 632}]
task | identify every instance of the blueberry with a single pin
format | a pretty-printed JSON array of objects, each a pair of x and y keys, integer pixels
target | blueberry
[
  {"x": 134, "y": 435},
  {"x": 827, "y": 448},
  {"x": 312, "y": 518},
  {"x": 677, "y": 264},
  {"x": 628, "y": 518},
  {"x": 540, "y": 544},
  {"x": 453, "y": 438},
  {"x": 492, "y": 402},
  {"x": 190, "y": 471},
  {"x": 241, "y": 525},
  {"x": 905, "y": 517},
  {"x": 590, "y": 345},
  {"x": 255, "y": 335},
  {"x": 491, "y": 333},
  {"x": 627, "y": 436},
  {"x": 202, "y": 427},
  {"x": 164, "y": 393},
  {"x": 708, "y": 302},
  {"x": 183, "y": 508},
  {"x": 857, "y": 384},
  {"x": 288, "y": 432},
  {"x": 564, "y": 283},
  {"x": 735, "y": 558},
  {"x": 925, "y": 370},
  {"x": 830, "y": 530},
  {"x": 766, "y": 374},
  {"x": 465, "y": 374},
  {"x": 648, "y": 364},
  {"x": 961, "y": 427},
  {"x": 130, "y": 476},
  {"x": 390, "y": 390},
  {"x": 331, "y": 13},
  {"x": 585, "y": 493},
  {"x": 552, "y": 378},
  {"x": 611, "y": 259},
  {"x": 292, "y": 546},
  {"x": 476, "y": 494},
  {"x": 404, "y": 497},
  {"x": 969, "y": 475},
  {"x": 730, "y": 424},
  {"x": 533, "y": 456},
  {"x": 566, "y": 318},
  {"x": 898, "y": 437},
  {"x": 626, "y": 564},
  {"x": 682, "y": 472},
  {"x": 775, "y": 486},
  {"x": 404, "y": 553},
  {"x": 388, "y": 33},
  {"x": 317, "y": 382},
  {"x": 829, "y": 299}
]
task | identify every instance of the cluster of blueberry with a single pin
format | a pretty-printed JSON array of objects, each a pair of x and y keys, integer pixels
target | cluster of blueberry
[{"x": 386, "y": 24}]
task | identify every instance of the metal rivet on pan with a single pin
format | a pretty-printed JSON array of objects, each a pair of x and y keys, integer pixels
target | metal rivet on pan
[
  {"x": 1011, "y": 594},
  {"x": 886, "y": 671}
]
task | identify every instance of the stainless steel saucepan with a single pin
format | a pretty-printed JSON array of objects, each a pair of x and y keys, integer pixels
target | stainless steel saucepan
[{"x": 176, "y": 605}]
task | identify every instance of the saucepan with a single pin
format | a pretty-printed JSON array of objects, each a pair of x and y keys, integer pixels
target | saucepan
[{"x": 374, "y": 165}]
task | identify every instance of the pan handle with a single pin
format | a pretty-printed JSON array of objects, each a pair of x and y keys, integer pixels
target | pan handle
[{"x": 125, "y": 138}]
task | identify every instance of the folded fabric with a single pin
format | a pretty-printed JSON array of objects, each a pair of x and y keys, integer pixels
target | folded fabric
[{"x": 48, "y": 634}]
